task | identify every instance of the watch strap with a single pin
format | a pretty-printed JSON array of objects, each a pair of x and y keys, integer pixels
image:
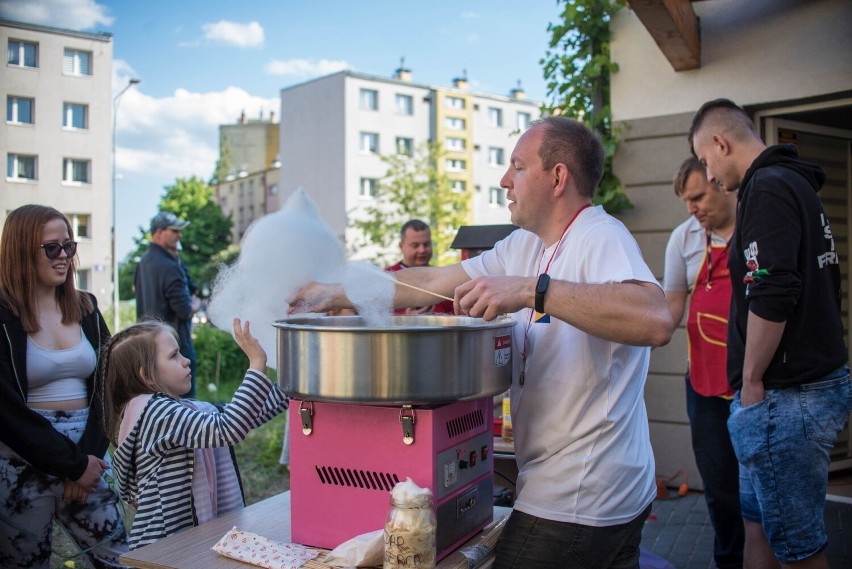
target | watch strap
[{"x": 540, "y": 291}]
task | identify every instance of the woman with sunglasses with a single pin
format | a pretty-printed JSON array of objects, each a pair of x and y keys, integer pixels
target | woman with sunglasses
[{"x": 52, "y": 442}]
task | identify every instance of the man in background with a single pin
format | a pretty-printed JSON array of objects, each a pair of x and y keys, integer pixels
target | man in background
[
  {"x": 415, "y": 243},
  {"x": 787, "y": 357},
  {"x": 697, "y": 270},
  {"x": 163, "y": 285}
]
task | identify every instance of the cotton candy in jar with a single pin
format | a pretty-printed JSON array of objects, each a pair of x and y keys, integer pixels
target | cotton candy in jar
[{"x": 410, "y": 528}]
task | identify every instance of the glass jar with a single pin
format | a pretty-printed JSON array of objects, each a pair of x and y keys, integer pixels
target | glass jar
[{"x": 410, "y": 532}]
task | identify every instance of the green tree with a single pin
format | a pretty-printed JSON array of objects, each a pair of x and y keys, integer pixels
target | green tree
[
  {"x": 414, "y": 188},
  {"x": 577, "y": 69},
  {"x": 207, "y": 234}
]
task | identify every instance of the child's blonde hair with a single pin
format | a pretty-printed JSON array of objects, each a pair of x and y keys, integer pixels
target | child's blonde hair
[{"x": 129, "y": 368}]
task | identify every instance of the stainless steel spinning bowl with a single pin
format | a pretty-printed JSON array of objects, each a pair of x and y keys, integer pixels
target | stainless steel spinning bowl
[{"x": 413, "y": 360}]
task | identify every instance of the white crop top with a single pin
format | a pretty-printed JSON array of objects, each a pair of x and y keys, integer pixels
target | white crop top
[{"x": 59, "y": 375}]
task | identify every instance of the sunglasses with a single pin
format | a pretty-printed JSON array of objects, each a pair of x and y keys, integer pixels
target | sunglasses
[{"x": 53, "y": 249}]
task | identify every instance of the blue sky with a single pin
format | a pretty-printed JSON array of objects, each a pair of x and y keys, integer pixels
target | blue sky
[{"x": 202, "y": 63}]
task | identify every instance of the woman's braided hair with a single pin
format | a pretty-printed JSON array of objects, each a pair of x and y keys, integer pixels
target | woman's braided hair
[{"x": 128, "y": 369}]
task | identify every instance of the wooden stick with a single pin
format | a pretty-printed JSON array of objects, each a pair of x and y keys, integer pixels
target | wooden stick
[{"x": 421, "y": 289}]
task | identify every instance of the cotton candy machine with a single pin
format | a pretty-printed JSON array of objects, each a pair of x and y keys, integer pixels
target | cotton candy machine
[{"x": 374, "y": 405}]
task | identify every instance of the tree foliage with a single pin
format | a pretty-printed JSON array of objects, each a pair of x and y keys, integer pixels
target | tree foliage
[
  {"x": 206, "y": 236},
  {"x": 414, "y": 188},
  {"x": 577, "y": 69}
]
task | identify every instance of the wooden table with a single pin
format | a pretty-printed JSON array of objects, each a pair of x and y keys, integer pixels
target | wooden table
[{"x": 190, "y": 548}]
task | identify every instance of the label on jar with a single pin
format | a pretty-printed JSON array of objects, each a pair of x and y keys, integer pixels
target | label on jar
[{"x": 404, "y": 548}]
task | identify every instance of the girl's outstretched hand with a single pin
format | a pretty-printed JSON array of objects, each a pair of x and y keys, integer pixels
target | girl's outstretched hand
[{"x": 249, "y": 345}]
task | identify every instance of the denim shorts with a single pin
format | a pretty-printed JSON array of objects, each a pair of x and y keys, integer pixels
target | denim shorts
[{"x": 783, "y": 444}]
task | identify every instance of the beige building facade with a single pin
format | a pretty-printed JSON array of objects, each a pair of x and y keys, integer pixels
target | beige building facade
[
  {"x": 789, "y": 64},
  {"x": 249, "y": 188},
  {"x": 56, "y": 139}
]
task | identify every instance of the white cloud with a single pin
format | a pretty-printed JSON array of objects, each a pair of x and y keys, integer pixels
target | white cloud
[
  {"x": 68, "y": 14},
  {"x": 233, "y": 33},
  {"x": 178, "y": 136},
  {"x": 304, "y": 67}
]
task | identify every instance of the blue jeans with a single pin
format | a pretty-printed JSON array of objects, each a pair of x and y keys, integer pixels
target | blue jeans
[
  {"x": 528, "y": 542},
  {"x": 717, "y": 463},
  {"x": 783, "y": 444}
]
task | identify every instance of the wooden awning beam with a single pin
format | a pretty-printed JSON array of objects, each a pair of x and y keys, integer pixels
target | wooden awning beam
[{"x": 674, "y": 27}]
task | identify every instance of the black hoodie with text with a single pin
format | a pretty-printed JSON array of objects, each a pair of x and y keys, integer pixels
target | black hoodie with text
[{"x": 785, "y": 268}]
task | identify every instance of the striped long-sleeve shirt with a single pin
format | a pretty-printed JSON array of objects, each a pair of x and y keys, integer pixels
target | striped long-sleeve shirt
[{"x": 154, "y": 464}]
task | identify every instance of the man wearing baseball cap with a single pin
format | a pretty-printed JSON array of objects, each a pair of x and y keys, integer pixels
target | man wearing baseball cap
[{"x": 163, "y": 286}]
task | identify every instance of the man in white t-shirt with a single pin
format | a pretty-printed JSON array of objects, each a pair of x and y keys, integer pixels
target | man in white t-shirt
[{"x": 587, "y": 308}]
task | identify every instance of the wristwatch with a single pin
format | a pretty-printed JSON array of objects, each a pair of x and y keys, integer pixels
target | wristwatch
[{"x": 540, "y": 290}]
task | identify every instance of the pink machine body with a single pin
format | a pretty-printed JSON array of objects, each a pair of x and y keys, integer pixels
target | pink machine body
[{"x": 343, "y": 470}]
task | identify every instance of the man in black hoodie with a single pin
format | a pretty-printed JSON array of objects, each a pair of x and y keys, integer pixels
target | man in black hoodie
[{"x": 786, "y": 353}]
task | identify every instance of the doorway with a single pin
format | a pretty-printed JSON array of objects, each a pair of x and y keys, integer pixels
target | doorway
[{"x": 831, "y": 148}]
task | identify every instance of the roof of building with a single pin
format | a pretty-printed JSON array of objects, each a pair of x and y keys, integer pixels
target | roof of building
[
  {"x": 101, "y": 36},
  {"x": 480, "y": 236}
]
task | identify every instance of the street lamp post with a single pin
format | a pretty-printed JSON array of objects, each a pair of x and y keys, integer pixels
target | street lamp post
[{"x": 115, "y": 102}]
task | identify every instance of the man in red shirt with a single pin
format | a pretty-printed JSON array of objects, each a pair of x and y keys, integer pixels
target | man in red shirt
[{"x": 416, "y": 246}]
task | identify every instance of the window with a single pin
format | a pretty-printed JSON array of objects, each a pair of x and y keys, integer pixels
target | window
[
  {"x": 76, "y": 171},
  {"x": 369, "y": 99},
  {"x": 251, "y": 193},
  {"x": 454, "y": 123},
  {"x": 369, "y": 188},
  {"x": 495, "y": 116},
  {"x": 84, "y": 279},
  {"x": 20, "y": 167},
  {"x": 75, "y": 115},
  {"x": 370, "y": 142},
  {"x": 22, "y": 53},
  {"x": 495, "y": 156},
  {"x": 459, "y": 186},
  {"x": 19, "y": 110},
  {"x": 404, "y": 104},
  {"x": 76, "y": 62},
  {"x": 455, "y": 165},
  {"x": 80, "y": 222},
  {"x": 404, "y": 146},
  {"x": 457, "y": 144},
  {"x": 454, "y": 103},
  {"x": 523, "y": 121},
  {"x": 496, "y": 197}
]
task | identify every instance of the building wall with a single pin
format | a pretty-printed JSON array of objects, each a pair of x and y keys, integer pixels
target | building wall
[
  {"x": 751, "y": 52},
  {"x": 47, "y": 139},
  {"x": 760, "y": 53},
  {"x": 313, "y": 155},
  {"x": 253, "y": 143}
]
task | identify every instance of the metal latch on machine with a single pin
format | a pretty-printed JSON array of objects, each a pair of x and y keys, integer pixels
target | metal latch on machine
[
  {"x": 306, "y": 414},
  {"x": 406, "y": 417}
]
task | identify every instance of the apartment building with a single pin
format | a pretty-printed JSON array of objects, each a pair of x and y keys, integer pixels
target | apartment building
[
  {"x": 56, "y": 138},
  {"x": 335, "y": 129},
  {"x": 249, "y": 188}
]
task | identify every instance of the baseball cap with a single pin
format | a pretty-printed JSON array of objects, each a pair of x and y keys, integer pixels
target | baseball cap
[{"x": 167, "y": 220}]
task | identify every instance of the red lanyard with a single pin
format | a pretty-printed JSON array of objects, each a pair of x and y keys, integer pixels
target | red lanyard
[{"x": 522, "y": 378}]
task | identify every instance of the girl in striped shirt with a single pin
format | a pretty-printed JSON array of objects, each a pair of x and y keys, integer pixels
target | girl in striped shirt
[{"x": 173, "y": 458}]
